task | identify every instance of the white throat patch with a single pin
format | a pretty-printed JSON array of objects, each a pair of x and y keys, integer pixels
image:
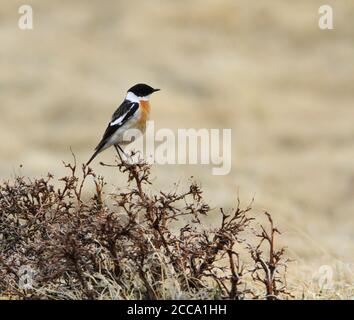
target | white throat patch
[{"x": 134, "y": 98}]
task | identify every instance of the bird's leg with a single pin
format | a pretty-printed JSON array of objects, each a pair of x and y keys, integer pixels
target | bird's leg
[
  {"x": 129, "y": 158},
  {"x": 120, "y": 148},
  {"x": 120, "y": 157}
]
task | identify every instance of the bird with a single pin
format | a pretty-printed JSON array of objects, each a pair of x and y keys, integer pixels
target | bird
[{"x": 133, "y": 113}]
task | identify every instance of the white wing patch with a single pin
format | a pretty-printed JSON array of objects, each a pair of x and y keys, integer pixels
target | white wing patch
[{"x": 118, "y": 120}]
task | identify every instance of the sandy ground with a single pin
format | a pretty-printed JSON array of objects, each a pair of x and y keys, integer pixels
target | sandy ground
[{"x": 265, "y": 70}]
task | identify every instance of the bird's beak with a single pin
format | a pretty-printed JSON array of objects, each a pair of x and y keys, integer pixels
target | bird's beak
[{"x": 156, "y": 90}]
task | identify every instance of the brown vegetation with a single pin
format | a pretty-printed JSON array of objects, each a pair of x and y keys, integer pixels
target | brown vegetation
[{"x": 130, "y": 244}]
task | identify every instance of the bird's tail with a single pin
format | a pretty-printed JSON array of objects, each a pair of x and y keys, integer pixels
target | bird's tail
[{"x": 93, "y": 156}]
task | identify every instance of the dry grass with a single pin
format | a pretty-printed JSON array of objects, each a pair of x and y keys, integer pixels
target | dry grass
[
  {"x": 54, "y": 244},
  {"x": 263, "y": 69}
]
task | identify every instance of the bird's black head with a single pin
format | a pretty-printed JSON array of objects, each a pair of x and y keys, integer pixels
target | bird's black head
[{"x": 142, "y": 90}]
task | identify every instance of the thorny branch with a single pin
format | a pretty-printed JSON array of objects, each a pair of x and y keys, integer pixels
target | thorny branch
[{"x": 134, "y": 240}]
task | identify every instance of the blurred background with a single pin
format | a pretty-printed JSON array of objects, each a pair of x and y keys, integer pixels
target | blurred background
[{"x": 262, "y": 68}]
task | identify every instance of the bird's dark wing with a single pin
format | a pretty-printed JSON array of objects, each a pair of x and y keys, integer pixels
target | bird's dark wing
[{"x": 125, "y": 111}]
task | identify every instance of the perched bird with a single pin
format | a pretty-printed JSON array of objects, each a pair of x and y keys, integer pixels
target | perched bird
[{"x": 131, "y": 114}]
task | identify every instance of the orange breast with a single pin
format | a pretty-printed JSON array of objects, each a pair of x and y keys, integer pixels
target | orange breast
[
  {"x": 144, "y": 114},
  {"x": 145, "y": 105}
]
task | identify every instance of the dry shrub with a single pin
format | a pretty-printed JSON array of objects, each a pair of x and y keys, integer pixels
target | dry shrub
[{"x": 55, "y": 244}]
